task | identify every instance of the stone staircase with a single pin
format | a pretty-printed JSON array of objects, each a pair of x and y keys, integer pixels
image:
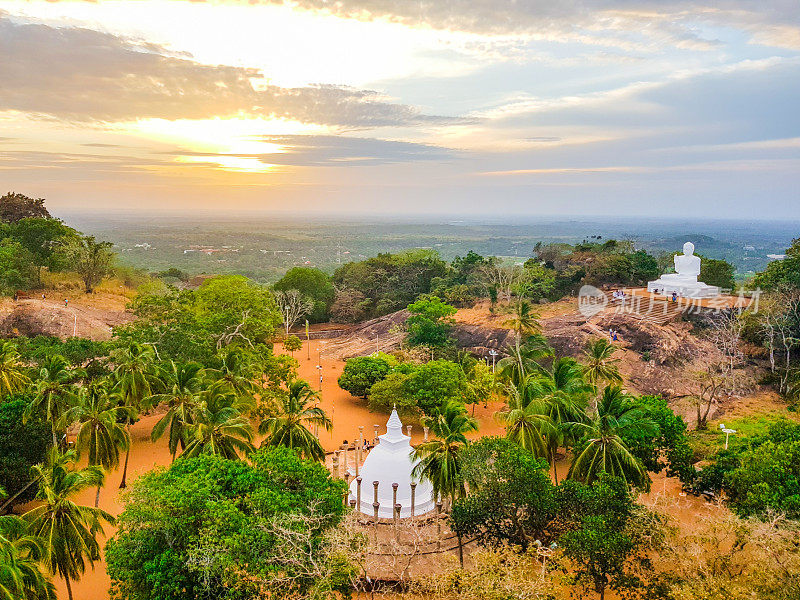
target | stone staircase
[{"x": 644, "y": 308}]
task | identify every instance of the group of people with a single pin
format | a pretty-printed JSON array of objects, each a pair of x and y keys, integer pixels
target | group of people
[
  {"x": 618, "y": 295},
  {"x": 612, "y": 334}
]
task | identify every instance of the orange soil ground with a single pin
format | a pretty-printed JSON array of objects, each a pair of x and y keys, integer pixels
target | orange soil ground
[{"x": 347, "y": 414}]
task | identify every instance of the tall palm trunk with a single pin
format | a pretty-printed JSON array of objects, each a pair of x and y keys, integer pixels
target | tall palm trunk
[
  {"x": 97, "y": 497},
  {"x": 69, "y": 588},
  {"x": 123, "y": 484}
]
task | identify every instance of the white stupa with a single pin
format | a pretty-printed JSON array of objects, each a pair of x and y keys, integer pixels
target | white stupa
[
  {"x": 684, "y": 281},
  {"x": 391, "y": 461}
]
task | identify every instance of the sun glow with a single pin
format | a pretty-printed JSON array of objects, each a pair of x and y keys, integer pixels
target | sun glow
[{"x": 235, "y": 144}]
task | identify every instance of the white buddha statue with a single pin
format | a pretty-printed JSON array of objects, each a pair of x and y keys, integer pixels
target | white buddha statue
[
  {"x": 687, "y": 266},
  {"x": 684, "y": 281}
]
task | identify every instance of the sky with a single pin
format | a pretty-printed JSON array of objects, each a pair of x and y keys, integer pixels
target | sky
[{"x": 463, "y": 107}]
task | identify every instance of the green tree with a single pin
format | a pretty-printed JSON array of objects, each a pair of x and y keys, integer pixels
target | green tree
[
  {"x": 523, "y": 320},
  {"x": 182, "y": 383},
  {"x": 136, "y": 380},
  {"x": 781, "y": 275},
  {"x": 42, "y": 238},
  {"x": 392, "y": 392},
  {"x": 563, "y": 392},
  {"x": 511, "y": 498},
  {"x": 13, "y": 377},
  {"x": 717, "y": 272},
  {"x": 313, "y": 284},
  {"x": 16, "y": 267},
  {"x": 604, "y": 450},
  {"x": 21, "y": 575},
  {"x": 601, "y": 366},
  {"x": 100, "y": 433},
  {"x": 68, "y": 530},
  {"x": 238, "y": 370},
  {"x": 54, "y": 391},
  {"x": 290, "y": 427},
  {"x": 15, "y": 207},
  {"x": 292, "y": 344},
  {"x": 610, "y": 537},
  {"x": 218, "y": 427},
  {"x": 524, "y": 359},
  {"x": 440, "y": 458},
  {"x": 525, "y": 418},
  {"x": 361, "y": 373},
  {"x": 209, "y": 527},
  {"x": 430, "y": 322},
  {"x": 768, "y": 477},
  {"x": 23, "y": 443},
  {"x": 91, "y": 259},
  {"x": 435, "y": 383}
]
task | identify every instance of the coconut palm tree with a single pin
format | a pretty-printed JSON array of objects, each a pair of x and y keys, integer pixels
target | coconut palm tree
[
  {"x": 68, "y": 530},
  {"x": 524, "y": 359},
  {"x": 236, "y": 373},
  {"x": 439, "y": 459},
  {"x": 290, "y": 427},
  {"x": 600, "y": 364},
  {"x": 55, "y": 391},
  {"x": 12, "y": 371},
  {"x": 183, "y": 383},
  {"x": 218, "y": 427},
  {"x": 100, "y": 434},
  {"x": 524, "y": 320},
  {"x": 525, "y": 417},
  {"x": 136, "y": 380},
  {"x": 20, "y": 570},
  {"x": 605, "y": 451}
]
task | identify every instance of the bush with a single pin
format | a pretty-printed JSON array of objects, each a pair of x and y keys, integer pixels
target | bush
[
  {"x": 22, "y": 445},
  {"x": 361, "y": 373}
]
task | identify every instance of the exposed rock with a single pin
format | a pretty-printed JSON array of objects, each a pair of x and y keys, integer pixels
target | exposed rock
[{"x": 41, "y": 317}]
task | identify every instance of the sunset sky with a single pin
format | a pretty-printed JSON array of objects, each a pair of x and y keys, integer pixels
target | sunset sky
[{"x": 432, "y": 106}]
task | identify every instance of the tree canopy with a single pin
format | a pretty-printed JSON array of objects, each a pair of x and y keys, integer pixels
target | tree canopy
[{"x": 221, "y": 528}]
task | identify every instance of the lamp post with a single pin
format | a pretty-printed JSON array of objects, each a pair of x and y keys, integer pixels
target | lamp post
[
  {"x": 727, "y": 431},
  {"x": 493, "y": 353}
]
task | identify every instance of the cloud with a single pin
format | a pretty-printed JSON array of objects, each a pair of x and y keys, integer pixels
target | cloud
[
  {"x": 84, "y": 75},
  {"x": 337, "y": 151},
  {"x": 591, "y": 21}
]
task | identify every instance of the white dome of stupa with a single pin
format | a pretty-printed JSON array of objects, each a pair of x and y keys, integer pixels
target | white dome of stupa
[{"x": 392, "y": 461}]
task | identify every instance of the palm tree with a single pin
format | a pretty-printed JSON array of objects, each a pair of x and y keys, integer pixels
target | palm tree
[
  {"x": 523, "y": 320},
  {"x": 524, "y": 359},
  {"x": 136, "y": 379},
  {"x": 100, "y": 433},
  {"x": 20, "y": 572},
  {"x": 183, "y": 383},
  {"x": 290, "y": 426},
  {"x": 439, "y": 459},
  {"x": 54, "y": 390},
  {"x": 68, "y": 530},
  {"x": 525, "y": 417},
  {"x": 218, "y": 427},
  {"x": 600, "y": 364},
  {"x": 605, "y": 450},
  {"x": 12, "y": 371},
  {"x": 236, "y": 373}
]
